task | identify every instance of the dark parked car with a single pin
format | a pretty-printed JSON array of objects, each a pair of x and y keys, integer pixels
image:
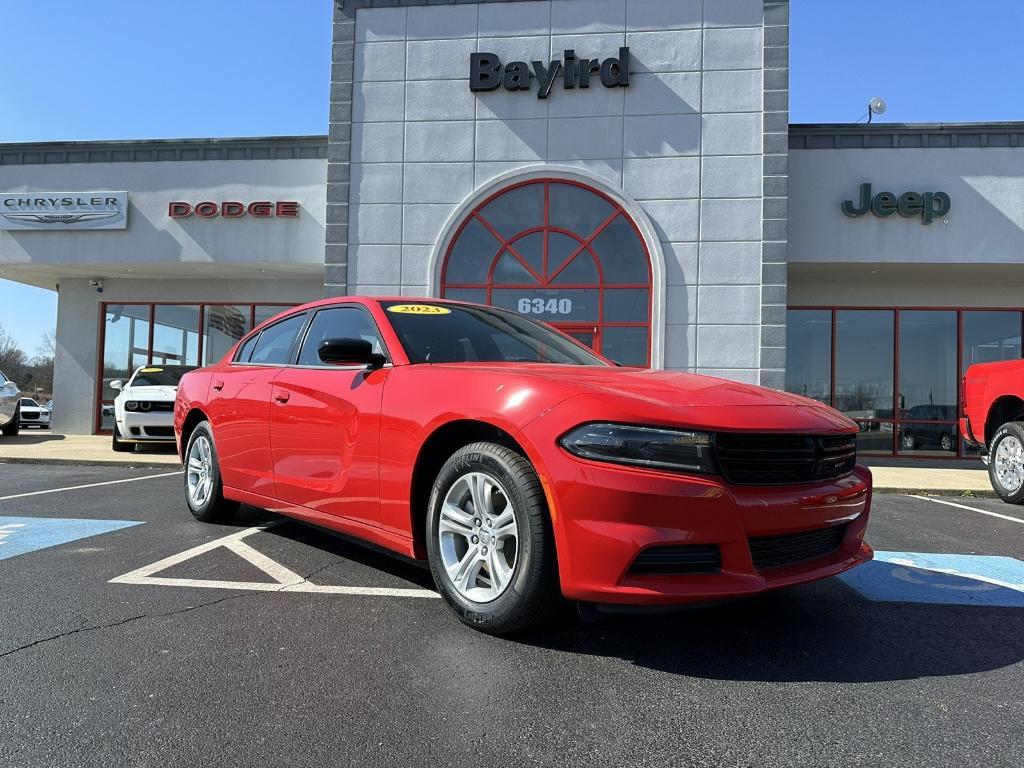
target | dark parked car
[{"x": 914, "y": 436}]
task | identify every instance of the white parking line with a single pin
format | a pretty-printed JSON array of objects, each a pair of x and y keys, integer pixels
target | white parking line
[
  {"x": 970, "y": 509},
  {"x": 285, "y": 580},
  {"x": 88, "y": 485}
]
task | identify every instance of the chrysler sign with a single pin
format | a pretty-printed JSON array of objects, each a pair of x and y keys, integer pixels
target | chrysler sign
[{"x": 63, "y": 210}]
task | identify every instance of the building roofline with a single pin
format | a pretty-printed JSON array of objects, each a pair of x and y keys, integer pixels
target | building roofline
[
  {"x": 157, "y": 150},
  {"x": 905, "y": 135}
]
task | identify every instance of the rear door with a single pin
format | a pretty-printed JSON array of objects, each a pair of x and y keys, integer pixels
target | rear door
[
  {"x": 238, "y": 405},
  {"x": 325, "y": 422}
]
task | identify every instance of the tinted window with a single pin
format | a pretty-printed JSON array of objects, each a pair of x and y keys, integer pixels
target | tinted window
[
  {"x": 160, "y": 376},
  {"x": 471, "y": 334},
  {"x": 809, "y": 353},
  {"x": 276, "y": 342},
  {"x": 338, "y": 323},
  {"x": 864, "y": 363},
  {"x": 245, "y": 351},
  {"x": 29, "y": 402}
]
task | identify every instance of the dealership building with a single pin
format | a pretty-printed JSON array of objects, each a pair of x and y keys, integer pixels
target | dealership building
[{"x": 622, "y": 169}]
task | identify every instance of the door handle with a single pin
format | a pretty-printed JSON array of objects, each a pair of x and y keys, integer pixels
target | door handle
[
  {"x": 281, "y": 396},
  {"x": 218, "y": 385}
]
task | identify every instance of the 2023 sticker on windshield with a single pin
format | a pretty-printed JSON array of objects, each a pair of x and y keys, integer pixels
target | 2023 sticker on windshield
[{"x": 419, "y": 309}]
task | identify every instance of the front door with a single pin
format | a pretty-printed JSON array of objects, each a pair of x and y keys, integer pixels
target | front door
[{"x": 325, "y": 423}]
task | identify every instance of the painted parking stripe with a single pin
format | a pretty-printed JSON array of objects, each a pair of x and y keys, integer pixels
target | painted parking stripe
[
  {"x": 88, "y": 485},
  {"x": 19, "y": 535},
  {"x": 946, "y": 579},
  {"x": 964, "y": 506},
  {"x": 285, "y": 580}
]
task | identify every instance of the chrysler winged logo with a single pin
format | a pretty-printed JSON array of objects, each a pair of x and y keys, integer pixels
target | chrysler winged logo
[{"x": 61, "y": 218}]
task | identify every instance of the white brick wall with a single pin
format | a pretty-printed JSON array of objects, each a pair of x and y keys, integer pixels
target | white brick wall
[{"x": 684, "y": 141}]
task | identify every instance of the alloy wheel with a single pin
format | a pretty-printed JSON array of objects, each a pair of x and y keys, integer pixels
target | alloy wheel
[
  {"x": 479, "y": 537},
  {"x": 199, "y": 471},
  {"x": 1009, "y": 463}
]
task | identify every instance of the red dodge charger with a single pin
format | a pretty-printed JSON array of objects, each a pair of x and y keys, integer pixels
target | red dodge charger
[{"x": 521, "y": 465}]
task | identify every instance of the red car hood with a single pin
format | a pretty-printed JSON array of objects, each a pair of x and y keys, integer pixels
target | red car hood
[{"x": 675, "y": 390}]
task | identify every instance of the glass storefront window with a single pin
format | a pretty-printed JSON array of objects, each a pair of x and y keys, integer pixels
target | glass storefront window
[
  {"x": 125, "y": 343},
  {"x": 223, "y": 325},
  {"x": 864, "y": 363},
  {"x": 809, "y": 353},
  {"x": 267, "y": 311},
  {"x": 990, "y": 336},
  {"x": 176, "y": 334},
  {"x": 928, "y": 383}
]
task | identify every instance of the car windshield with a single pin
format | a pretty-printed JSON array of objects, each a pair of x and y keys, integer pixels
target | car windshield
[
  {"x": 29, "y": 402},
  {"x": 3, "y": 377},
  {"x": 456, "y": 333},
  {"x": 160, "y": 375}
]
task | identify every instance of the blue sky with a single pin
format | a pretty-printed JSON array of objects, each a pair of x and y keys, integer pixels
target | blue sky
[{"x": 262, "y": 67}]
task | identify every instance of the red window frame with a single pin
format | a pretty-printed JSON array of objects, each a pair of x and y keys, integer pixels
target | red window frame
[
  {"x": 545, "y": 280},
  {"x": 897, "y": 420},
  {"x": 98, "y": 400}
]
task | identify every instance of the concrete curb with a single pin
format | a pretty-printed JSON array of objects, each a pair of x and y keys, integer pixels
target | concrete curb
[{"x": 92, "y": 463}]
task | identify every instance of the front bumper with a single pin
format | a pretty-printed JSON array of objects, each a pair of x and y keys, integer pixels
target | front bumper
[
  {"x": 605, "y": 515},
  {"x": 151, "y": 427}
]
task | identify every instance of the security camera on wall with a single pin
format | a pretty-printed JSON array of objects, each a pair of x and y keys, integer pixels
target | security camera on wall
[{"x": 97, "y": 284}]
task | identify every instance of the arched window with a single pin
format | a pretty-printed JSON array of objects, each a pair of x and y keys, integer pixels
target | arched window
[{"x": 562, "y": 252}]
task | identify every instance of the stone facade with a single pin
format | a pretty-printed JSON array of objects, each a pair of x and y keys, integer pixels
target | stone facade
[{"x": 696, "y": 147}]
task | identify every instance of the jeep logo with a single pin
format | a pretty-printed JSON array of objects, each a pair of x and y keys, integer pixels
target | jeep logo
[
  {"x": 486, "y": 73},
  {"x": 927, "y": 205}
]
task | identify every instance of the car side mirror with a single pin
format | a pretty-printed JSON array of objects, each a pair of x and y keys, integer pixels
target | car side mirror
[
  {"x": 349, "y": 352},
  {"x": 116, "y": 384}
]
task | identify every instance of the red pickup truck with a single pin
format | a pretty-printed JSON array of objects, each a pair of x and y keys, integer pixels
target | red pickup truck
[{"x": 992, "y": 418}]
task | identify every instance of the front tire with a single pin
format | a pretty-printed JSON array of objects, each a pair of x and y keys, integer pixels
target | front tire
[
  {"x": 119, "y": 445},
  {"x": 204, "y": 491},
  {"x": 1006, "y": 463},
  {"x": 12, "y": 427},
  {"x": 908, "y": 442},
  {"x": 489, "y": 540}
]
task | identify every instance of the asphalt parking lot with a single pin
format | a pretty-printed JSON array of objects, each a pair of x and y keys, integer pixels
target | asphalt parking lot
[{"x": 228, "y": 646}]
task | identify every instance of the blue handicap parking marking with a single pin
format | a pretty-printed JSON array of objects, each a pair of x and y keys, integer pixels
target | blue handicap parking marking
[
  {"x": 922, "y": 577},
  {"x": 19, "y": 535}
]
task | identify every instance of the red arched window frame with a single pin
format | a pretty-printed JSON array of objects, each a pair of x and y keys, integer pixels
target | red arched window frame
[{"x": 550, "y": 271}]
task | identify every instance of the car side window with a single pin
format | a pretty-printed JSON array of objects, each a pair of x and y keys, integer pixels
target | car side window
[
  {"x": 276, "y": 343},
  {"x": 245, "y": 351},
  {"x": 338, "y": 323}
]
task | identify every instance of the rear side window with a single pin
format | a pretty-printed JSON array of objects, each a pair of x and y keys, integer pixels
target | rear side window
[
  {"x": 276, "y": 343},
  {"x": 245, "y": 351},
  {"x": 338, "y": 323}
]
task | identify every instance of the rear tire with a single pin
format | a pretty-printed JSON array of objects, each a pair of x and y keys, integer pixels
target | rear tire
[
  {"x": 489, "y": 540},
  {"x": 204, "y": 491},
  {"x": 1006, "y": 462},
  {"x": 120, "y": 446},
  {"x": 12, "y": 427}
]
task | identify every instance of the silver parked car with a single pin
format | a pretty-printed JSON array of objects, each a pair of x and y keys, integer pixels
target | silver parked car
[{"x": 10, "y": 406}]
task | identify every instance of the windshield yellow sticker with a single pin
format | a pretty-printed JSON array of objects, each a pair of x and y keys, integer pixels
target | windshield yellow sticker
[
  {"x": 152, "y": 370},
  {"x": 419, "y": 309}
]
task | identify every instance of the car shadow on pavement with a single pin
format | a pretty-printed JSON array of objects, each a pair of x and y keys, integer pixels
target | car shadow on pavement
[
  {"x": 36, "y": 438},
  {"x": 819, "y": 633}
]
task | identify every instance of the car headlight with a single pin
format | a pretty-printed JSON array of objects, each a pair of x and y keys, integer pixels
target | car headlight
[
  {"x": 676, "y": 449},
  {"x": 131, "y": 405},
  {"x": 145, "y": 405}
]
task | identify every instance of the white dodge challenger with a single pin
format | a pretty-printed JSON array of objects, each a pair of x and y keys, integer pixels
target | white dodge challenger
[{"x": 144, "y": 407}]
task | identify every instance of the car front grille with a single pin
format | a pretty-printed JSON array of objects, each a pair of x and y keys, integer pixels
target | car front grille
[
  {"x": 29, "y": 416},
  {"x": 693, "y": 558},
  {"x": 149, "y": 406},
  {"x": 773, "y": 551},
  {"x": 767, "y": 459}
]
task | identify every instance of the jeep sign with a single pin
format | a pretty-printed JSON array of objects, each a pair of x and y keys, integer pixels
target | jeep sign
[{"x": 926, "y": 205}]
